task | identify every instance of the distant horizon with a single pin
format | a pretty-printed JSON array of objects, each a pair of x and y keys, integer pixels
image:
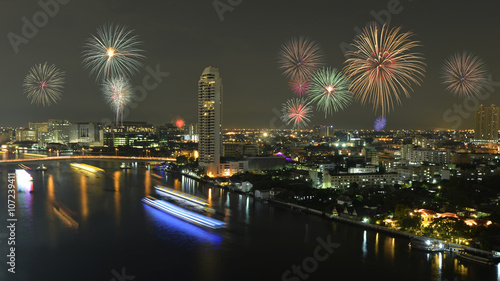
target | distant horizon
[{"x": 311, "y": 127}]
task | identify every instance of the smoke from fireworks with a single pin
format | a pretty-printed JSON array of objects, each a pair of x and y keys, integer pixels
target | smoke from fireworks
[
  {"x": 296, "y": 111},
  {"x": 329, "y": 90},
  {"x": 299, "y": 57},
  {"x": 118, "y": 94},
  {"x": 112, "y": 52},
  {"x": 382, "y": 66},
  {"x": 380, "y": 123},
  {"x": 464, "y": 75},
  {"x": 44, "y": 84}
]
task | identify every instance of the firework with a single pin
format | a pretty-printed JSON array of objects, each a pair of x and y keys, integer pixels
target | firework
[
  {"x": 330, "y": 90},
  {"x": 179, "y": 123},
  {"x": 383, "y": 66},
  {"x": 118, "y": 94},
  {"x": 299, "y": 86},
  {"x": 296, "y": 111},
  {"x": 44, "y": 84},
  {"x": 299, "y": 57},
  {"x": 112, "y": 52},
  {"x": 464, "y": 75},
  {"x": 380, "y": 123}
]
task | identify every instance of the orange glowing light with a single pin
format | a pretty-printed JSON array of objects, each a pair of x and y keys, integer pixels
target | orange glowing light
[
  {"x": 111, "y": 52},
  {"x": 179, "y": 123}
]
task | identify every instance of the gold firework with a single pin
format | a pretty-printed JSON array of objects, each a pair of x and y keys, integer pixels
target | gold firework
[{"x": 383, "y": 66}]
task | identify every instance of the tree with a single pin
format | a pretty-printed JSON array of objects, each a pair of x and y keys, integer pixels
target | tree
[
  {"x": 181, "y": 160},
  {"x": 445, "y": 227},
  {"x": 407, "y": 220}
]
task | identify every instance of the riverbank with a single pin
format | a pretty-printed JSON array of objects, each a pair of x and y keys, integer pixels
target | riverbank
[
  {"x": 451, "y": 247},
  {"x": 447, "y": 246}
]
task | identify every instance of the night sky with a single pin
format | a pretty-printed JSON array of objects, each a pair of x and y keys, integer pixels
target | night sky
[{"x": 183, "y": 37}]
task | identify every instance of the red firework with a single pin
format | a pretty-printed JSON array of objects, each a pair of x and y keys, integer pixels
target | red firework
[
  {"x": 296, "y": 111},
  {"x": 299, "y": 86},
  {"x": 179, "y": 123}
]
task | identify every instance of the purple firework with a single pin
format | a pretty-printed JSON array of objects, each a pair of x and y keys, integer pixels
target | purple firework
[{"x": 380, "y": 123}]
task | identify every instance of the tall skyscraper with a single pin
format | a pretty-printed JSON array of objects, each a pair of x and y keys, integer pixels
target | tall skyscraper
[
  {"x": 487, "y": 124},
  {"x": 210, "y": 120}
]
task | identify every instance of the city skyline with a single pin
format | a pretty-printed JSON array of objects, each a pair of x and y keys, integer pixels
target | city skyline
[
  {"x": 249, "y": 140},
  {"x": 171, "y": 49}
]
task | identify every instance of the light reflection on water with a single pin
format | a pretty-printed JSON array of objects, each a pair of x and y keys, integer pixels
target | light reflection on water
[
  {"x": 365, "y": 251},
  {"x": 498, "y": 271},
  {"x": 84, "y": 197},
  {"x": 116, "y": 180},
  {"x": 460, "y": 268}
]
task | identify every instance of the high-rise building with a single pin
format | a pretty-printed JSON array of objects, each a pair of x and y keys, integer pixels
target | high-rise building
[
  {"x": 487, "y": 124},
  {"x": 59, "y": 130},
  {"x": 323, "y": 131},
  {"x": 42, "y": 132},
  {"x": 210, "y": 120}
]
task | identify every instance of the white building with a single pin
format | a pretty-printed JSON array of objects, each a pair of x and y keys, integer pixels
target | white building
[
  {"x": 233, "y": 167},
  {"x": 428, "y": 155},
  {"x": 363, "y": 180},
  {"x": 210, "y": 106},
  {"x": 362, "y": 170},
  {"x": 87, "y": 134}
]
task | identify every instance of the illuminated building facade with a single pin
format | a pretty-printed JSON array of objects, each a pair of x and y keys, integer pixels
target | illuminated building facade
[
  {"x": 210, "y": 97},
  {"x": 134, "y": 134},
  {"x": 487, "y": 119},
  {"x": 86, "y": 134}
]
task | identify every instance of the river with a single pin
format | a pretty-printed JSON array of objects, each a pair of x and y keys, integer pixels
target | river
[{"x": 77, "y": 225}]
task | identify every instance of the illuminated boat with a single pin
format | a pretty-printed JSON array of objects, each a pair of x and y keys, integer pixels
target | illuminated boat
[
  {"x": 24, "y": 166},
  {"x": 156, "y": 176},
  {"x": 65, "y": 214},
  {"x": 179, "y": 195},
  {"x": 41, "y": 168},
  {"x": 183, "y": 214},
  {"x": 488, "y": 260},
  {"x": 125, "y": 166},
  {"x": 87, "y": 168},
  {"x": 24, "y": 181},
  {"x": 426, "y": 244}
]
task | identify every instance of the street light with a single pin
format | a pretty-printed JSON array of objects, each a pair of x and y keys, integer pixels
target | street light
[{"x": 116, "y": 151}]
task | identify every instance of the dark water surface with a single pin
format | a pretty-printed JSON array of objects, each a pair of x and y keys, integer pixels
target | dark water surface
[{"x": 78, "y": 225}]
